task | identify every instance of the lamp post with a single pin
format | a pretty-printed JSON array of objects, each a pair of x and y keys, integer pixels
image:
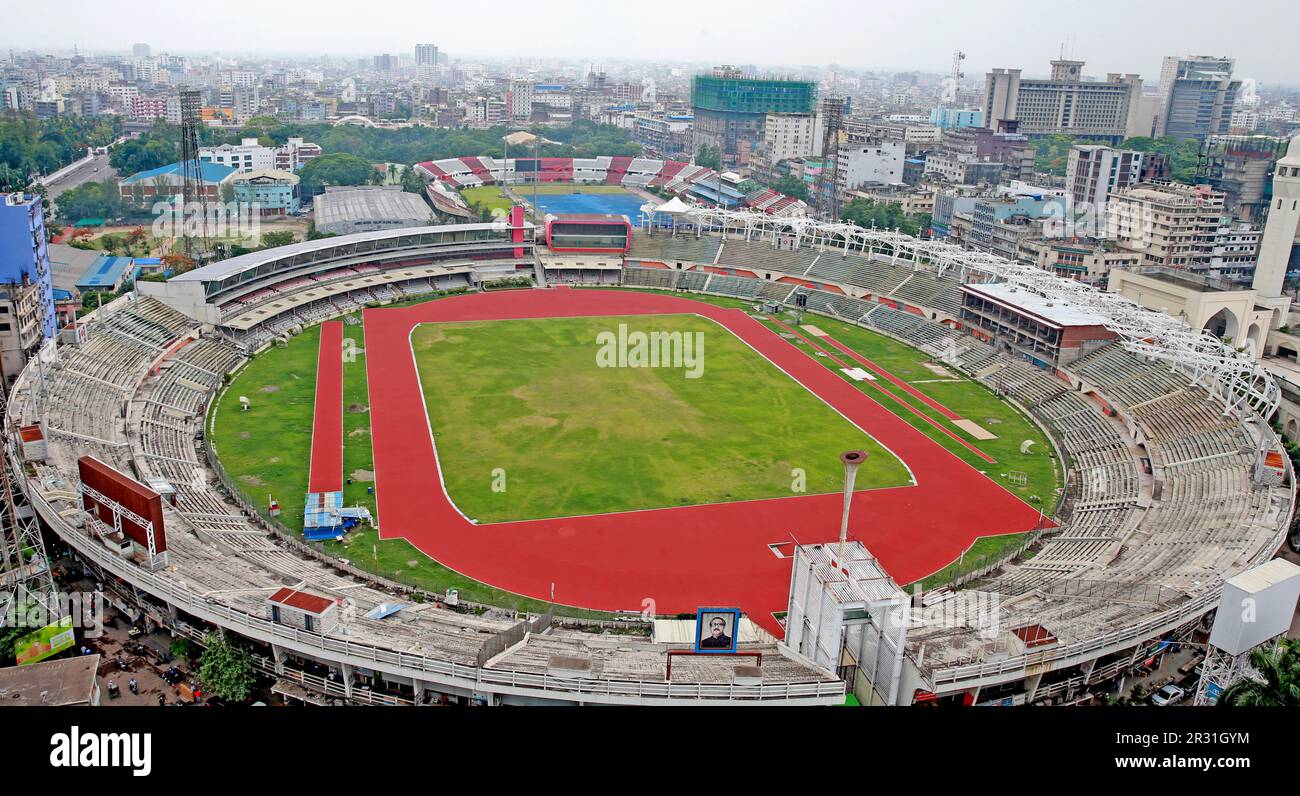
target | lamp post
[{"x": 852, "y": 461}]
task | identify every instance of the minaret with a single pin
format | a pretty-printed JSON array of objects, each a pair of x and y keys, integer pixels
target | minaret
[{"x": 1279, "y": 233}]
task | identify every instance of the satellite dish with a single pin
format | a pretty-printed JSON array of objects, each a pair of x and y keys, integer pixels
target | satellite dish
[{"x": 1026, "y": 445}]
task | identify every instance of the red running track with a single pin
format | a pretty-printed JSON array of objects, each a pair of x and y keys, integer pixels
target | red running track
[
  {"x": 922, "y": 416},
  {"x": 680, "y": 558},
  {"x": 327, "y": 424},
  {"x": 915, "y": 393}
]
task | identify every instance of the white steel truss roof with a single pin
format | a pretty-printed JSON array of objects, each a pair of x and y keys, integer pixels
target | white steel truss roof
[{"x": 1233, "y": 376}]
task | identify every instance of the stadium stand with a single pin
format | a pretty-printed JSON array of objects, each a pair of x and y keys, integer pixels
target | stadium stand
[
  {"x": 1161, "y": 506},
  {"x": 135, "y": 394}
]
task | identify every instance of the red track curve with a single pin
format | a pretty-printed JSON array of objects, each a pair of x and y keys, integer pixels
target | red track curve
[
  {"x": 680, "y": 558},
  {"x": 326, "y": 473}
]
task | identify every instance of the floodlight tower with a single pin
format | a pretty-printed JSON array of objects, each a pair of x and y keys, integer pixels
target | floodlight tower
[
  {"x": 193, "y": 192},
  {"x": 852, "y": 461},
  {"x": 826, "y": 186},
  {"x": 25, "y": 580}
]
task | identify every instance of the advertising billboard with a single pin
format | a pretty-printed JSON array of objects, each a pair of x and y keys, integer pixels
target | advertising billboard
[{"x": 46, "y": 641}]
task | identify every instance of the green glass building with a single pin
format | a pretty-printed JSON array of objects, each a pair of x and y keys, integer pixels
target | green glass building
[
  {"x": 753, "y": 95},
  {"x": 732, "y": 111}
]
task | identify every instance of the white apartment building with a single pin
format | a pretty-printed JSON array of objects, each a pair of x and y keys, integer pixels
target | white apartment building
[
  {"x": 1169, "y": 224},
  {"x": 1094, "y": 171},
  {"x": 1066, "y": 103},
  {"x": 519, "y": 98},
  {"x": 877, "y": 162},
  {"x": 791, "y": 135},
  {"x": 248, "y": 155},
  {"x": 1236, "y": 248}
]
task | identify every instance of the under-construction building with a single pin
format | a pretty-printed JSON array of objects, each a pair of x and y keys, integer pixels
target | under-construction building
[{"x": 1242, "y": 168}]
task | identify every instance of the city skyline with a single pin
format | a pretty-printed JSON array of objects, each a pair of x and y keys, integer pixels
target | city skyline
[{"x": 763, "y": 37}]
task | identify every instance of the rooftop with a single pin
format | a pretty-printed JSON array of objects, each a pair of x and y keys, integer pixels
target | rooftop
[
  {"x": 1056, "y": 312},
  {"x": 212, "y": 172},
  {"x": 344, "y": 205},
  {"x": 220, "y": 270},
  {"x": 68, "y": 681}
]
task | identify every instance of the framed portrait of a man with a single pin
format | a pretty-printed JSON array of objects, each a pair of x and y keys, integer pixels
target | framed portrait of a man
[{"x": 716, "y": 630}]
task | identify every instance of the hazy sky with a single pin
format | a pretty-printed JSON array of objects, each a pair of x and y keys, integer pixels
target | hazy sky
[{"x": 1110, "y": 35}]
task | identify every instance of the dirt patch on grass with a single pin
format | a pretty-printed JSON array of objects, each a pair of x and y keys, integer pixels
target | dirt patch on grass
[
  {"x": 358, "y": 432},
  {"x": 268, "y": 388},
  {"x": 363, "y": 475},
  {"x": 245, "y": 434},
  {"x": 538, "y": 421},
  {"x": 251, "y": 480},
  {"x": 358, "y": 409}
]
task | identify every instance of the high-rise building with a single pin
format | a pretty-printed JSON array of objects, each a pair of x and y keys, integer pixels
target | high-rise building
[
  {"x": 27, "y": 317},
  {"x": 1065, "y": 103},
  {"x": 1196, "y": 96},
  {"x": 1094, "y": 171},
  {"x": 426, "y": 55},
  {"x": 519, "y": 99},
  {"x": 733, "y": 111}
]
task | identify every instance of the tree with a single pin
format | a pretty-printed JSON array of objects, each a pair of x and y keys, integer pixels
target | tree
[
  {"x": 226, "y": 670},
  {"x": 156, "y": 147},
  {"x": 1279, "y": 668},
  {"x": 708, "y": 156},
  {"x": 336, "y": 168},
  {"x": 866, "y": 213},
  {"x": 272, "y": 239},
  {"x": 411, "y": 181},
  {"x": 90, "y": 200},
  {"x": 177, "y": 263},
  {"x": 791, "y": 185}
]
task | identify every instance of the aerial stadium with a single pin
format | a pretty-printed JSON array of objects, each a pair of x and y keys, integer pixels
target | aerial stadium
[{"x": 406, "y": 456}]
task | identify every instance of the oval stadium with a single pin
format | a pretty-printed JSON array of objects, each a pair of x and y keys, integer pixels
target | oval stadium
[{"x": 514, "y": 462}]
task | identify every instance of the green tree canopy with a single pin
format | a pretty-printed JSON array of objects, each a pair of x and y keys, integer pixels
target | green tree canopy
[
  {"x": 30, "y": 147},
  {"x": 790, "y": 185},
  {"x": 336, "y": 168},
  {"x": 867, "y": 213},
  {"x": 90, "y": 200},
  {"x": 1279, "y": 668},
  {"x": 226, "y": 670},
  {"x": 708, "y": 156}
]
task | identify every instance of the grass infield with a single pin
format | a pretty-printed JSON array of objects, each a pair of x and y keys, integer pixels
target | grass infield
[{"x": 529, "y": 424}]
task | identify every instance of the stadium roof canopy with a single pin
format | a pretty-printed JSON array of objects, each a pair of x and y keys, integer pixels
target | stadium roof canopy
[{"x": 220, "y": 270}]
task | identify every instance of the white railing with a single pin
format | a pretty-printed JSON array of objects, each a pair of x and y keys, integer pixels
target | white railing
[{"x": 407, "y": 664}]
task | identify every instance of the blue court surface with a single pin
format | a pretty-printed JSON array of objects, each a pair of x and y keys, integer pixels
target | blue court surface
[{"x": 625, "y": 204}]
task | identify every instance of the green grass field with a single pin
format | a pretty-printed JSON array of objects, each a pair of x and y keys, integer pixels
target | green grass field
[
  {"x": 267, "y": 449},
  {"x": 576, "y": 438},
  {"x": 487, "y": 196},
  {"x": 963, "y": 395}
]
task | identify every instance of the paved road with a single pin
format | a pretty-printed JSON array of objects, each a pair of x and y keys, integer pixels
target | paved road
[{"x": 86, "y": 173}]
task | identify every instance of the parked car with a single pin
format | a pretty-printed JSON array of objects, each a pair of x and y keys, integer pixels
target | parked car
[{"x": 1168, "y": 695}]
